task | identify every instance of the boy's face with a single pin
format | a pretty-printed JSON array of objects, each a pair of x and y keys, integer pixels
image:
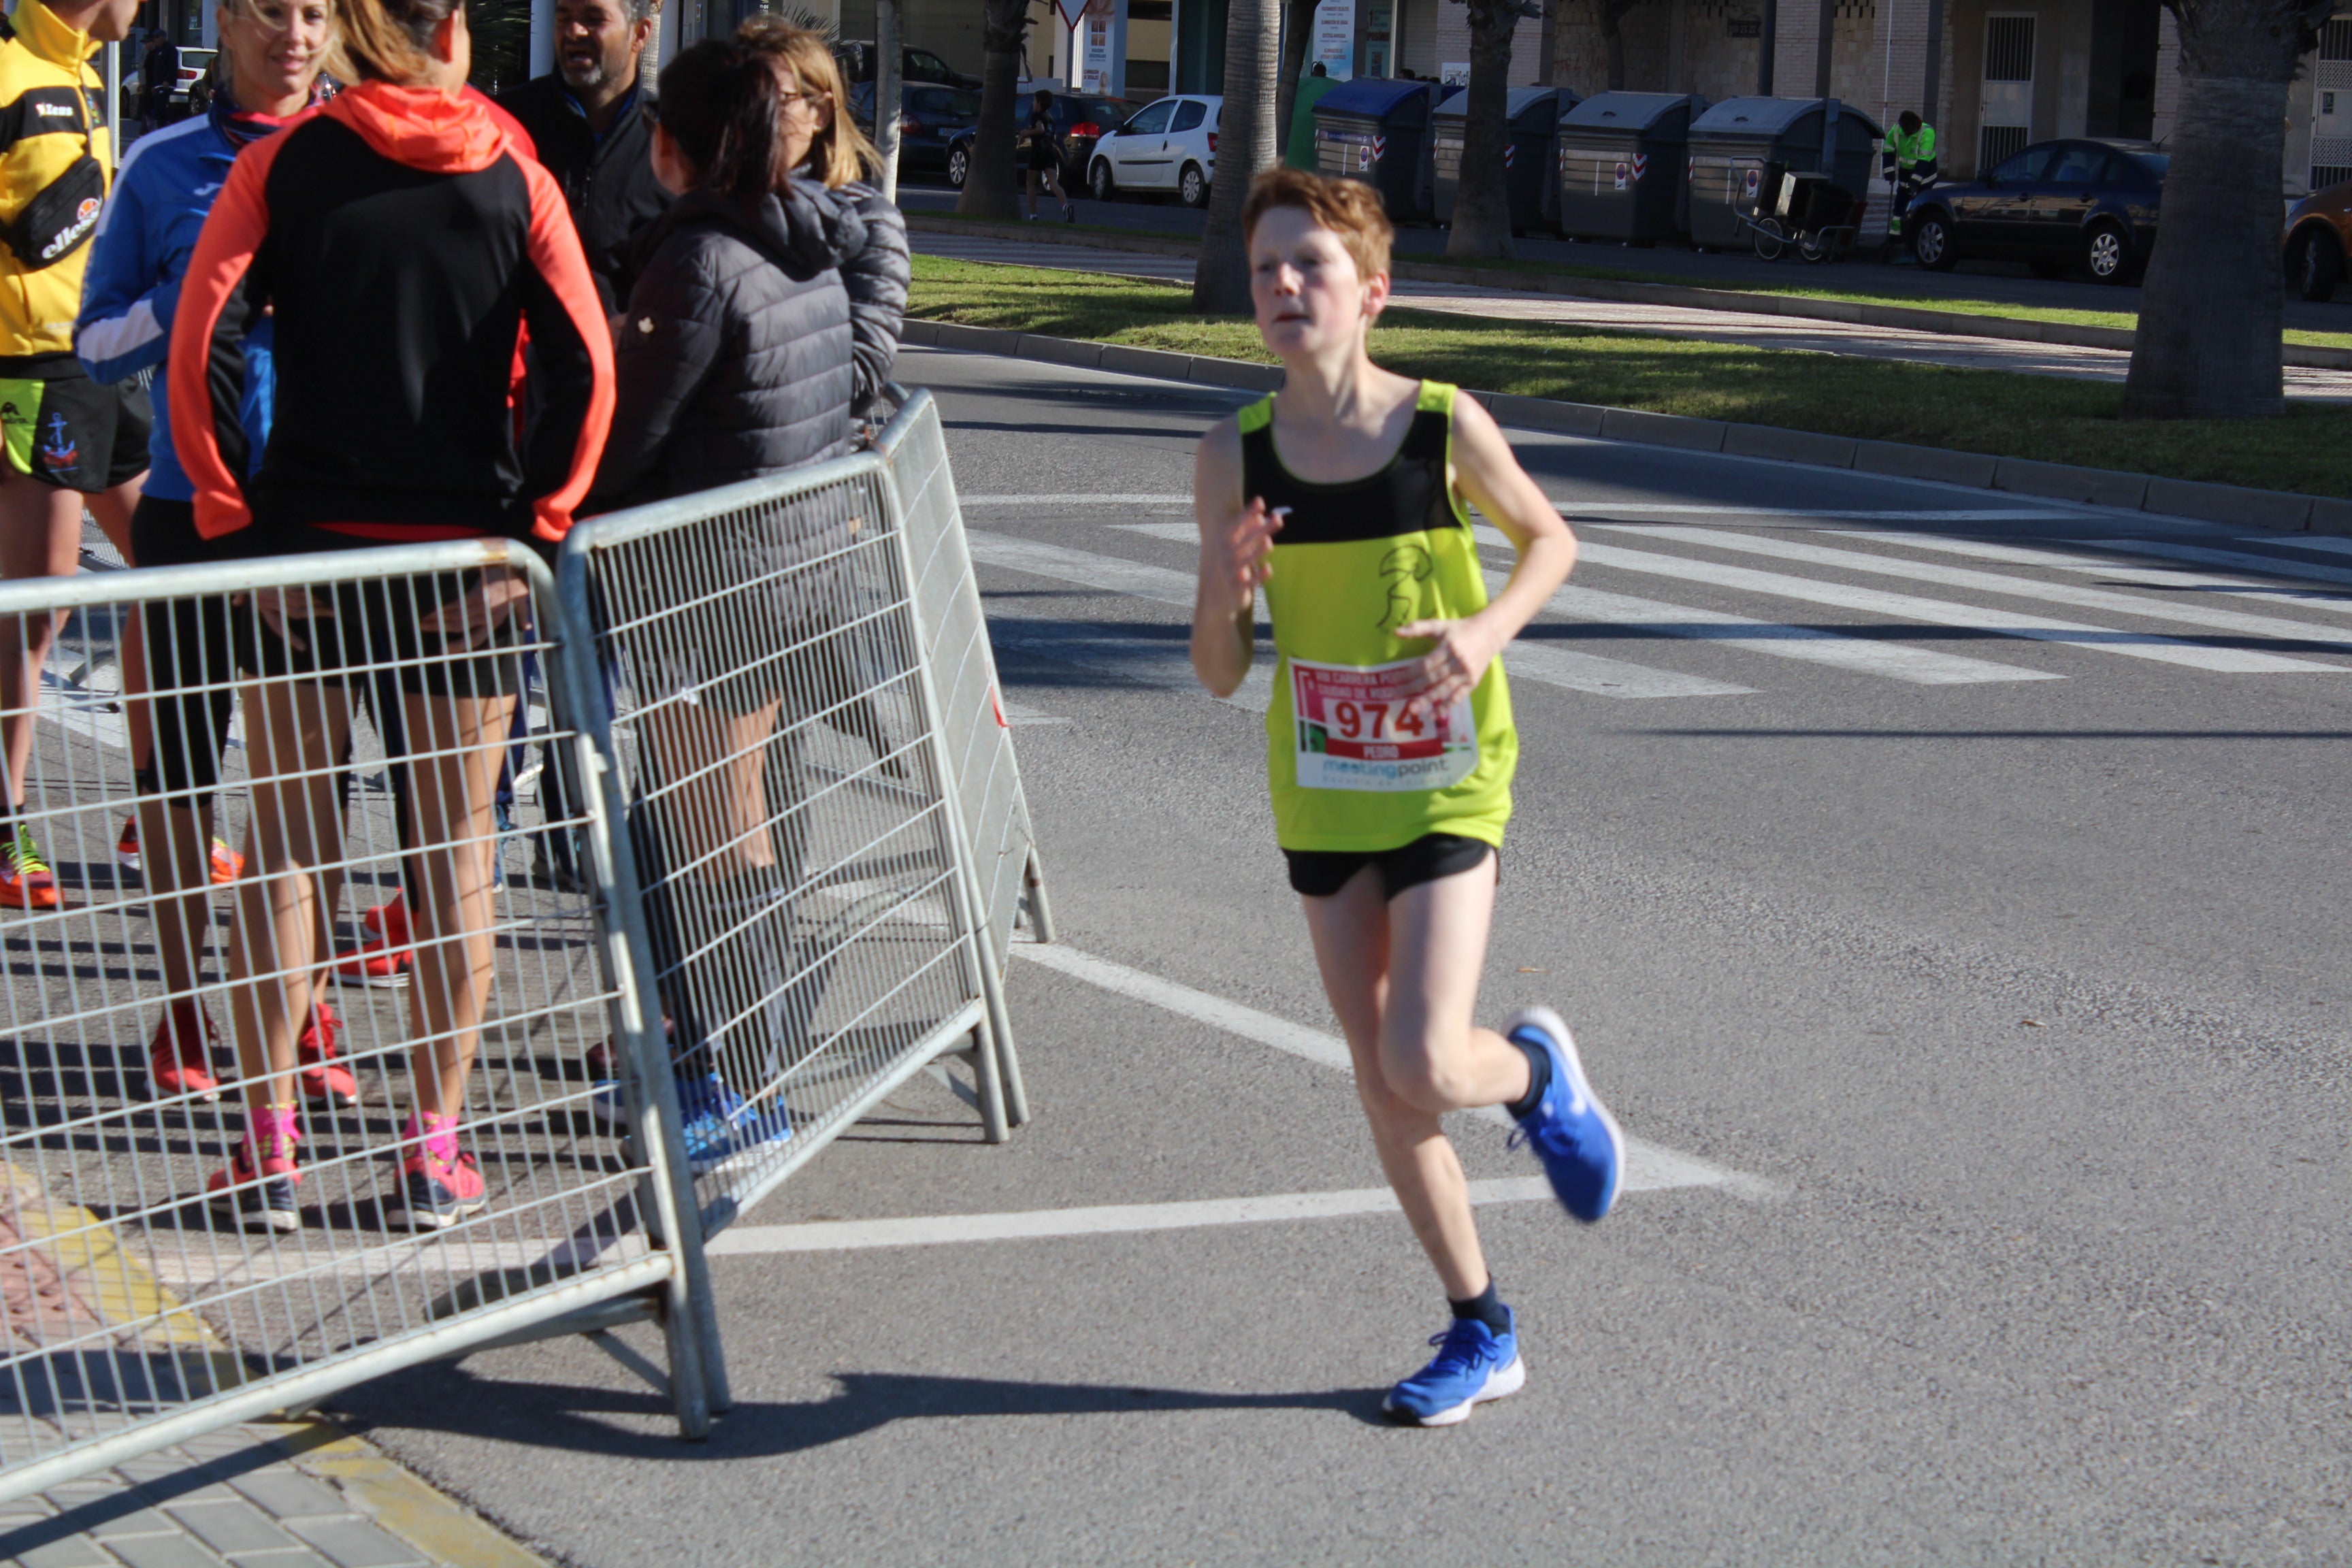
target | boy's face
[{"x": 1305, "y": 286}]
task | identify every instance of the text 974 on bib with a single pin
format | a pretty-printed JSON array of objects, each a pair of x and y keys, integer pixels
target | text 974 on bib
[{"x": 1354, "y": 732}]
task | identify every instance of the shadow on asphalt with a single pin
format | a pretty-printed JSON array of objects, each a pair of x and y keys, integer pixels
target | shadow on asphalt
[{"x": 566, "y": 1417}]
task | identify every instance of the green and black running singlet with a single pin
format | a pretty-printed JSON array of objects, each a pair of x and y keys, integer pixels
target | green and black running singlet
[{"x": 1353, "y": 562}]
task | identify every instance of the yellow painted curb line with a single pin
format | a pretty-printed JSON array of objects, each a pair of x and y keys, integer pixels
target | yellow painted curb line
[{"x": 442, "y": 1529}]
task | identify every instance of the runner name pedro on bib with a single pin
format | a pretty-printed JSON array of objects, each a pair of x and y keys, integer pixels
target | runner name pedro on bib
[{"x": 1354, "y": 732}]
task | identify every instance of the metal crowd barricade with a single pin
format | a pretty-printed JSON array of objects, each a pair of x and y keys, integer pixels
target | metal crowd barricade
[
  {"x": 151, "y": 1292},
  {"x": 801, "y": 898},
  {"x": 978, "y": 737}
]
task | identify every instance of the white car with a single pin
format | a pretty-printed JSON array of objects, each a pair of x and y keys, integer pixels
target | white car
[{"x": 1169, "y": 144}]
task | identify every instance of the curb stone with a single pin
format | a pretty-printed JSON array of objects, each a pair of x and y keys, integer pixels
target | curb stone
[
  {"x": 2276, "y": 512},
  {"x": 1904, "y": 317}
]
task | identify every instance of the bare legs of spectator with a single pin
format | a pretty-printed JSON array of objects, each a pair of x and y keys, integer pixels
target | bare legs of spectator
[{"x": 40, "y": 536}]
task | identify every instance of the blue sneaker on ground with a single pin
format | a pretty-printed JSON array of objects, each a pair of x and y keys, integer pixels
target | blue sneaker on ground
[
  {"x": 720, "y": 1125},
  {"x": 1474, "y": 1365},
  {"x": 1571, "y": 1131}
]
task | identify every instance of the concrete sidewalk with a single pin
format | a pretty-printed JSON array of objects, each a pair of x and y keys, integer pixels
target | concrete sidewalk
[
  {"x": 1745, "y": 329},
  {"x": 291, "y": 1495}
]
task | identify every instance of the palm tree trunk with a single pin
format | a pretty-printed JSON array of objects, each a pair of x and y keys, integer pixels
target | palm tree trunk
[
  {"x": 989, "y": 189},
  {"x": 1244, "y": 146},
  {"x": 1482, "y": 201},
  {"x": 2213, "y": 304},
  {"x": 1297, "y": 38}
]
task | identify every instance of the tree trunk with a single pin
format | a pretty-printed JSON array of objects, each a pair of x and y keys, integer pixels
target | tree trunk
[
  {"x": 2213, "y": 305},
  {"x": 989, "y": 189},
  {"x": 1482, "y": 201},
  {"x": 1221, "y": 282},
  {"x": 1297, "y": 38}
]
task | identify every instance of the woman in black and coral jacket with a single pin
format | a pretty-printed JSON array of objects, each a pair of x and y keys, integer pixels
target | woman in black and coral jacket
[{"x": 403, "y": 245}]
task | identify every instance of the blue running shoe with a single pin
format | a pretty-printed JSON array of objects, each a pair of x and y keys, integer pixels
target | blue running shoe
[
  {"x": 1474, "y": 1365},
  {"x": 1571, "y": 1131},
  {"x": 708, "y": 1109}
]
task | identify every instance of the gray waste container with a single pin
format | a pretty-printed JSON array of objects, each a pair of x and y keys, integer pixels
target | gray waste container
[
  {"x": 1731, "y": 144},
  {"x": 1531, "y": 120},
  {"x": 1377, "y": 131},
  {"x": 1621, "y": 166}
]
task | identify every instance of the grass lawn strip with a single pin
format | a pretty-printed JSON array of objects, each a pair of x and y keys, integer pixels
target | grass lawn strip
[
  {"x": 2125, "y": 321},
  {"x": 2045, "y": 419}
]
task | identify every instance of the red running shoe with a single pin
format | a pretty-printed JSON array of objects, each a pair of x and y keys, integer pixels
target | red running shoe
[
  {"x": 259, "y": 1193},
  {"x": 435, "y": 1194},
  {"x": 324, "y": 1077},
  {"x": 179, "y": 1059},
  {"x": 228, "y": 865},
  {"x": 25, "y": 880},
  {"x": 382, "y": 958}
]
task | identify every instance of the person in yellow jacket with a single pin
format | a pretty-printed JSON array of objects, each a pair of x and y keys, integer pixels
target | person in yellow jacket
[
  {"x": 1907, "y": 159},
  {"x": 65, "y": 440}
]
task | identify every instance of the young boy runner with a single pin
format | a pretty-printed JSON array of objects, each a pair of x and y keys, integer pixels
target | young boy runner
[{"x": 1389, "y": 741}]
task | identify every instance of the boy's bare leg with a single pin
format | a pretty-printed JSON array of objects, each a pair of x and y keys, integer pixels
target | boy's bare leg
[
  {"x": 40, "y": 536},
  {"x": 1403, "y": 978}
]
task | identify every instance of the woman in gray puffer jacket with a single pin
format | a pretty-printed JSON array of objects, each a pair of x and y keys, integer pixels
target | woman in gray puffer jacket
[{"x": 742, "y": 353}]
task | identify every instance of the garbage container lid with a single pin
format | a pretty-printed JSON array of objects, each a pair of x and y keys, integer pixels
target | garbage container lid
[
  {"x": 1627, "y": 111},
  {"x": 1519, "y": 100},
  {"x": 1373, "y": 98},
  {"x": 1754, "y": 116}
]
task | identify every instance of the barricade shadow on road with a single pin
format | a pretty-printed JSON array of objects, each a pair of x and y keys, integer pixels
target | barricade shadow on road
[{"x": 565, "y": 1416}]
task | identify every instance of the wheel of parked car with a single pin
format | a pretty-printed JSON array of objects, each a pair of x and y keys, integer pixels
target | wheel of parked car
[
  {"x": 2316, "y": 267},
  {"x": 1098, "y": 181},
  {"x": 1931, "y": 242},
  {"x": 2107, "y": 251},
  {"x": 1192, "y": 187},
  {"x": 958, "y": 163}
]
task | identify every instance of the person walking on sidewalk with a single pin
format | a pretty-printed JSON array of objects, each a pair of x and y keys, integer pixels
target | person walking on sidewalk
[
  {"x": 66, "y": 442},
  {"x": 735, "y": 361},
  {"x": 1389, "y": 741},
  {"x": 273, "y": 50},
  {"x": 1041, "y": 155},
  {"x": 401, "y": 246}
]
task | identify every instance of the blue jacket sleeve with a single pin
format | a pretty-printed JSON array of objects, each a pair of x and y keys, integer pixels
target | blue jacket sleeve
[{"x": 126, "y": 315}]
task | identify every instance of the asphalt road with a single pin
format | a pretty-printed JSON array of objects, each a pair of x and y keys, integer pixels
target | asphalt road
[
  {"x": 1978, "y": 951},
  {"x": 2010, "y": 282}
]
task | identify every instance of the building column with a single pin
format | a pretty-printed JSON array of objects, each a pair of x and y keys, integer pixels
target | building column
[{"x": 2168, "y": 78}]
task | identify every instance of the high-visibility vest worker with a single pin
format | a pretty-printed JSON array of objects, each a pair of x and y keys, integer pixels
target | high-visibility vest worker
[{"x": 1909, "y": 149}]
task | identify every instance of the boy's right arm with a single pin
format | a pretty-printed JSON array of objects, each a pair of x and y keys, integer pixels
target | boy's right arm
[{"x": 1236, "y": 539}]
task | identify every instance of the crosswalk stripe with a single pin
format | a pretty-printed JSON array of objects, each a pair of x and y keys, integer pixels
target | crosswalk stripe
[
  {"x": 2237, "y": 588},
  {"x": 2024, "y": 588},
  {"x": 1940, "y": 613},
  {"x": 1575, "y": 511},
  {"x": 1548, "y": 666},
  {"x": 2276, "y": 566},
  {"x": 1133, "y": 655},
  {"x": 2298, "y": 541}
]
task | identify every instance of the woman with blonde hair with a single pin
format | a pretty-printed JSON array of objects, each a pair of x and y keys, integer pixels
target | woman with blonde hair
[{"x": 399, "y": 243}]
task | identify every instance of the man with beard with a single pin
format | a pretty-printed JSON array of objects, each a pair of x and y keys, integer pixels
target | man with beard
[{"x": 591, "y": 135}]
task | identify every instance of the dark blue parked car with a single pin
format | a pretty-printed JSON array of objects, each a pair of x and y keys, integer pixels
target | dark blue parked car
[
  {"x": 2055, "y": 205},
  {"x": 931, "y": 118}
]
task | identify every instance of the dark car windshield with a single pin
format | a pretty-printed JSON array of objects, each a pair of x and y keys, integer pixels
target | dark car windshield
[
  {"x": 2154, "y": 162},
  {"x": 954, "y": 103},
  {"x": 1103, "y": 112}
]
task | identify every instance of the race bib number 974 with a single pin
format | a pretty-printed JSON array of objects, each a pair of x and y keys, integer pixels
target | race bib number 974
[{"x": 1355, "y": 733}]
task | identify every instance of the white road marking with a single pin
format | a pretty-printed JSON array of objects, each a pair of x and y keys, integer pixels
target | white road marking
[
  {"x": 931, "y": 1230},
  {"x": 1330, "y": 1051},
  {"x": 1813, "y": 644},
  {"x": 1112, "y": 573},
  {"x": 1185, "y": 500},
  {"x": 2275, "y": 564},
  {"x": 1991, "y": 583},
  {"x": 1573, "y": 510},
  {"x": 2298, "y": 541},
  {"x": 2115, "y": 571},
  {"x": 1938, "y": 612},
  {"x": 1020, "y": 713}
]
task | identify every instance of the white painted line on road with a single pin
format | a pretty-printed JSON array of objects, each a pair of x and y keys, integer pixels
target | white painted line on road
[
  {"x": 1573, "y": 510},
  {"x": 2115, "y": 571},
  {"x": 2298, "y": 541},
  {"x": 1113, "y": 573},
  {"x": 1330, "y": 1051},
  {"x": 1136, "y": 655},
  {"x": 2278, "y": 565},
  {"x": 1077, "y": 500},
  {"x": 1119, "y": 1219},
  {"x": 1992, "y": 583},
  {"x": 1938, "y": 612}
]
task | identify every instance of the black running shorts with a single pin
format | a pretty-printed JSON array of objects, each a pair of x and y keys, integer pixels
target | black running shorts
[
  {"x": 188, "y": 664},
  {"x": 1320, "y": 873},
  {"x": 64, "y": 429}
]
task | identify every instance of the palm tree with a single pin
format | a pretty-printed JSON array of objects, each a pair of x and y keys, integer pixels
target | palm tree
[
  {"x": 1482, "y": 203},
  {"x": 2213, "y": 306},
  {"x": 989, "y": 189},
  {"x": 1244, "y": 146}
]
